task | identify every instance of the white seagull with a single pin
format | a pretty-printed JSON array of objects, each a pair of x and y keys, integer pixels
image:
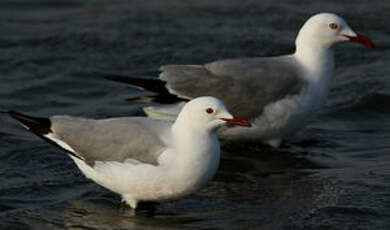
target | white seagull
[
  {"x": 276, "y": 94},
  {"x": 140, "y": 158}
]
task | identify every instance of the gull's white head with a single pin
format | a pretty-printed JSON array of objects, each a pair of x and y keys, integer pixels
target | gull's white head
[
  {"x": 326, "y": 30},
  {"x": 208, "y": 113}
]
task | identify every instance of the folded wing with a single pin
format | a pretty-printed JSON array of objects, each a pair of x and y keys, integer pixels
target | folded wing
[
  {"x": 245, "y": 85},
  {"x": 135, "y": 139}
]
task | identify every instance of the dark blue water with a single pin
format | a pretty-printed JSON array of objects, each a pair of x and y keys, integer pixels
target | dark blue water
[{"x": 335, "y": 174}]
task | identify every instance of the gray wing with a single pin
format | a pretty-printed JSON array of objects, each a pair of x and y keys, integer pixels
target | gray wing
[
  {"x": 117, "y": 139},
  {"x": 245, "y": 85}
]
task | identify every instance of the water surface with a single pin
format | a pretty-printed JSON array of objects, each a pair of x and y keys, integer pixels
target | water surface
[{"x": 334, "y": 174}]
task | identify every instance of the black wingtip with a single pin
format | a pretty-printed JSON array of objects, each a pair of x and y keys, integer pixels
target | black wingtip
[
  {"x": 135, "y": 81},
  {"x": 40, "y": 126},
  {"x": 150, "y": 84},
  {"x": 162, "y": 99},
  {"x": 36, "y": 124},
  {"x": 117, "y": 78}
]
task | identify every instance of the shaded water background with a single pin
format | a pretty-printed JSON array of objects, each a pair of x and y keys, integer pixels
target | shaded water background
[{"x": 335, "y": 174}]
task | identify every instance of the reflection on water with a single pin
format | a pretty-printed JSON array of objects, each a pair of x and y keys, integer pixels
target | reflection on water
[{"x": 99, "y": 214}]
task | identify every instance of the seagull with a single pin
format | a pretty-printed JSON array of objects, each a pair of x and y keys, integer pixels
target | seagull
[
  {"x": 276, "y": 94},
  {"x": 140, "y": 158}
]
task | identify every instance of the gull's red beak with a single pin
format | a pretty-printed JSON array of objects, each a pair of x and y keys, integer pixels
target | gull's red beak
[
  {"x": 360, "y": 39},
  {"x": 237, "y": 121}
]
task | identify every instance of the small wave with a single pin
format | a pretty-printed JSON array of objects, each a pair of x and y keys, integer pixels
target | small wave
[{"x": 377, "y": 102}]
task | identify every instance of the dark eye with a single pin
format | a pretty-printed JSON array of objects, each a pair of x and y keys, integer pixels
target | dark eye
[
  {"x": 333, "y": 26},
  {"x": 209, "y": 110}
]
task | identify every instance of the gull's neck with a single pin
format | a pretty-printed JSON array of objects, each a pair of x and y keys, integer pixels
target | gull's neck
[
  {"x": 317, "y": 64},
  {"x": 317, "y": 60},
  {"x": 185, "y": 136},
  {"x": 197, "y": 156},
  {"x": 194, "y": 144}
]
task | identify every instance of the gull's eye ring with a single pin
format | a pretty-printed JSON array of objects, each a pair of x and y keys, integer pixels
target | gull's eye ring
[
  {"x": 333, "y": 26},
  {"x": 209, "y": 110}
]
